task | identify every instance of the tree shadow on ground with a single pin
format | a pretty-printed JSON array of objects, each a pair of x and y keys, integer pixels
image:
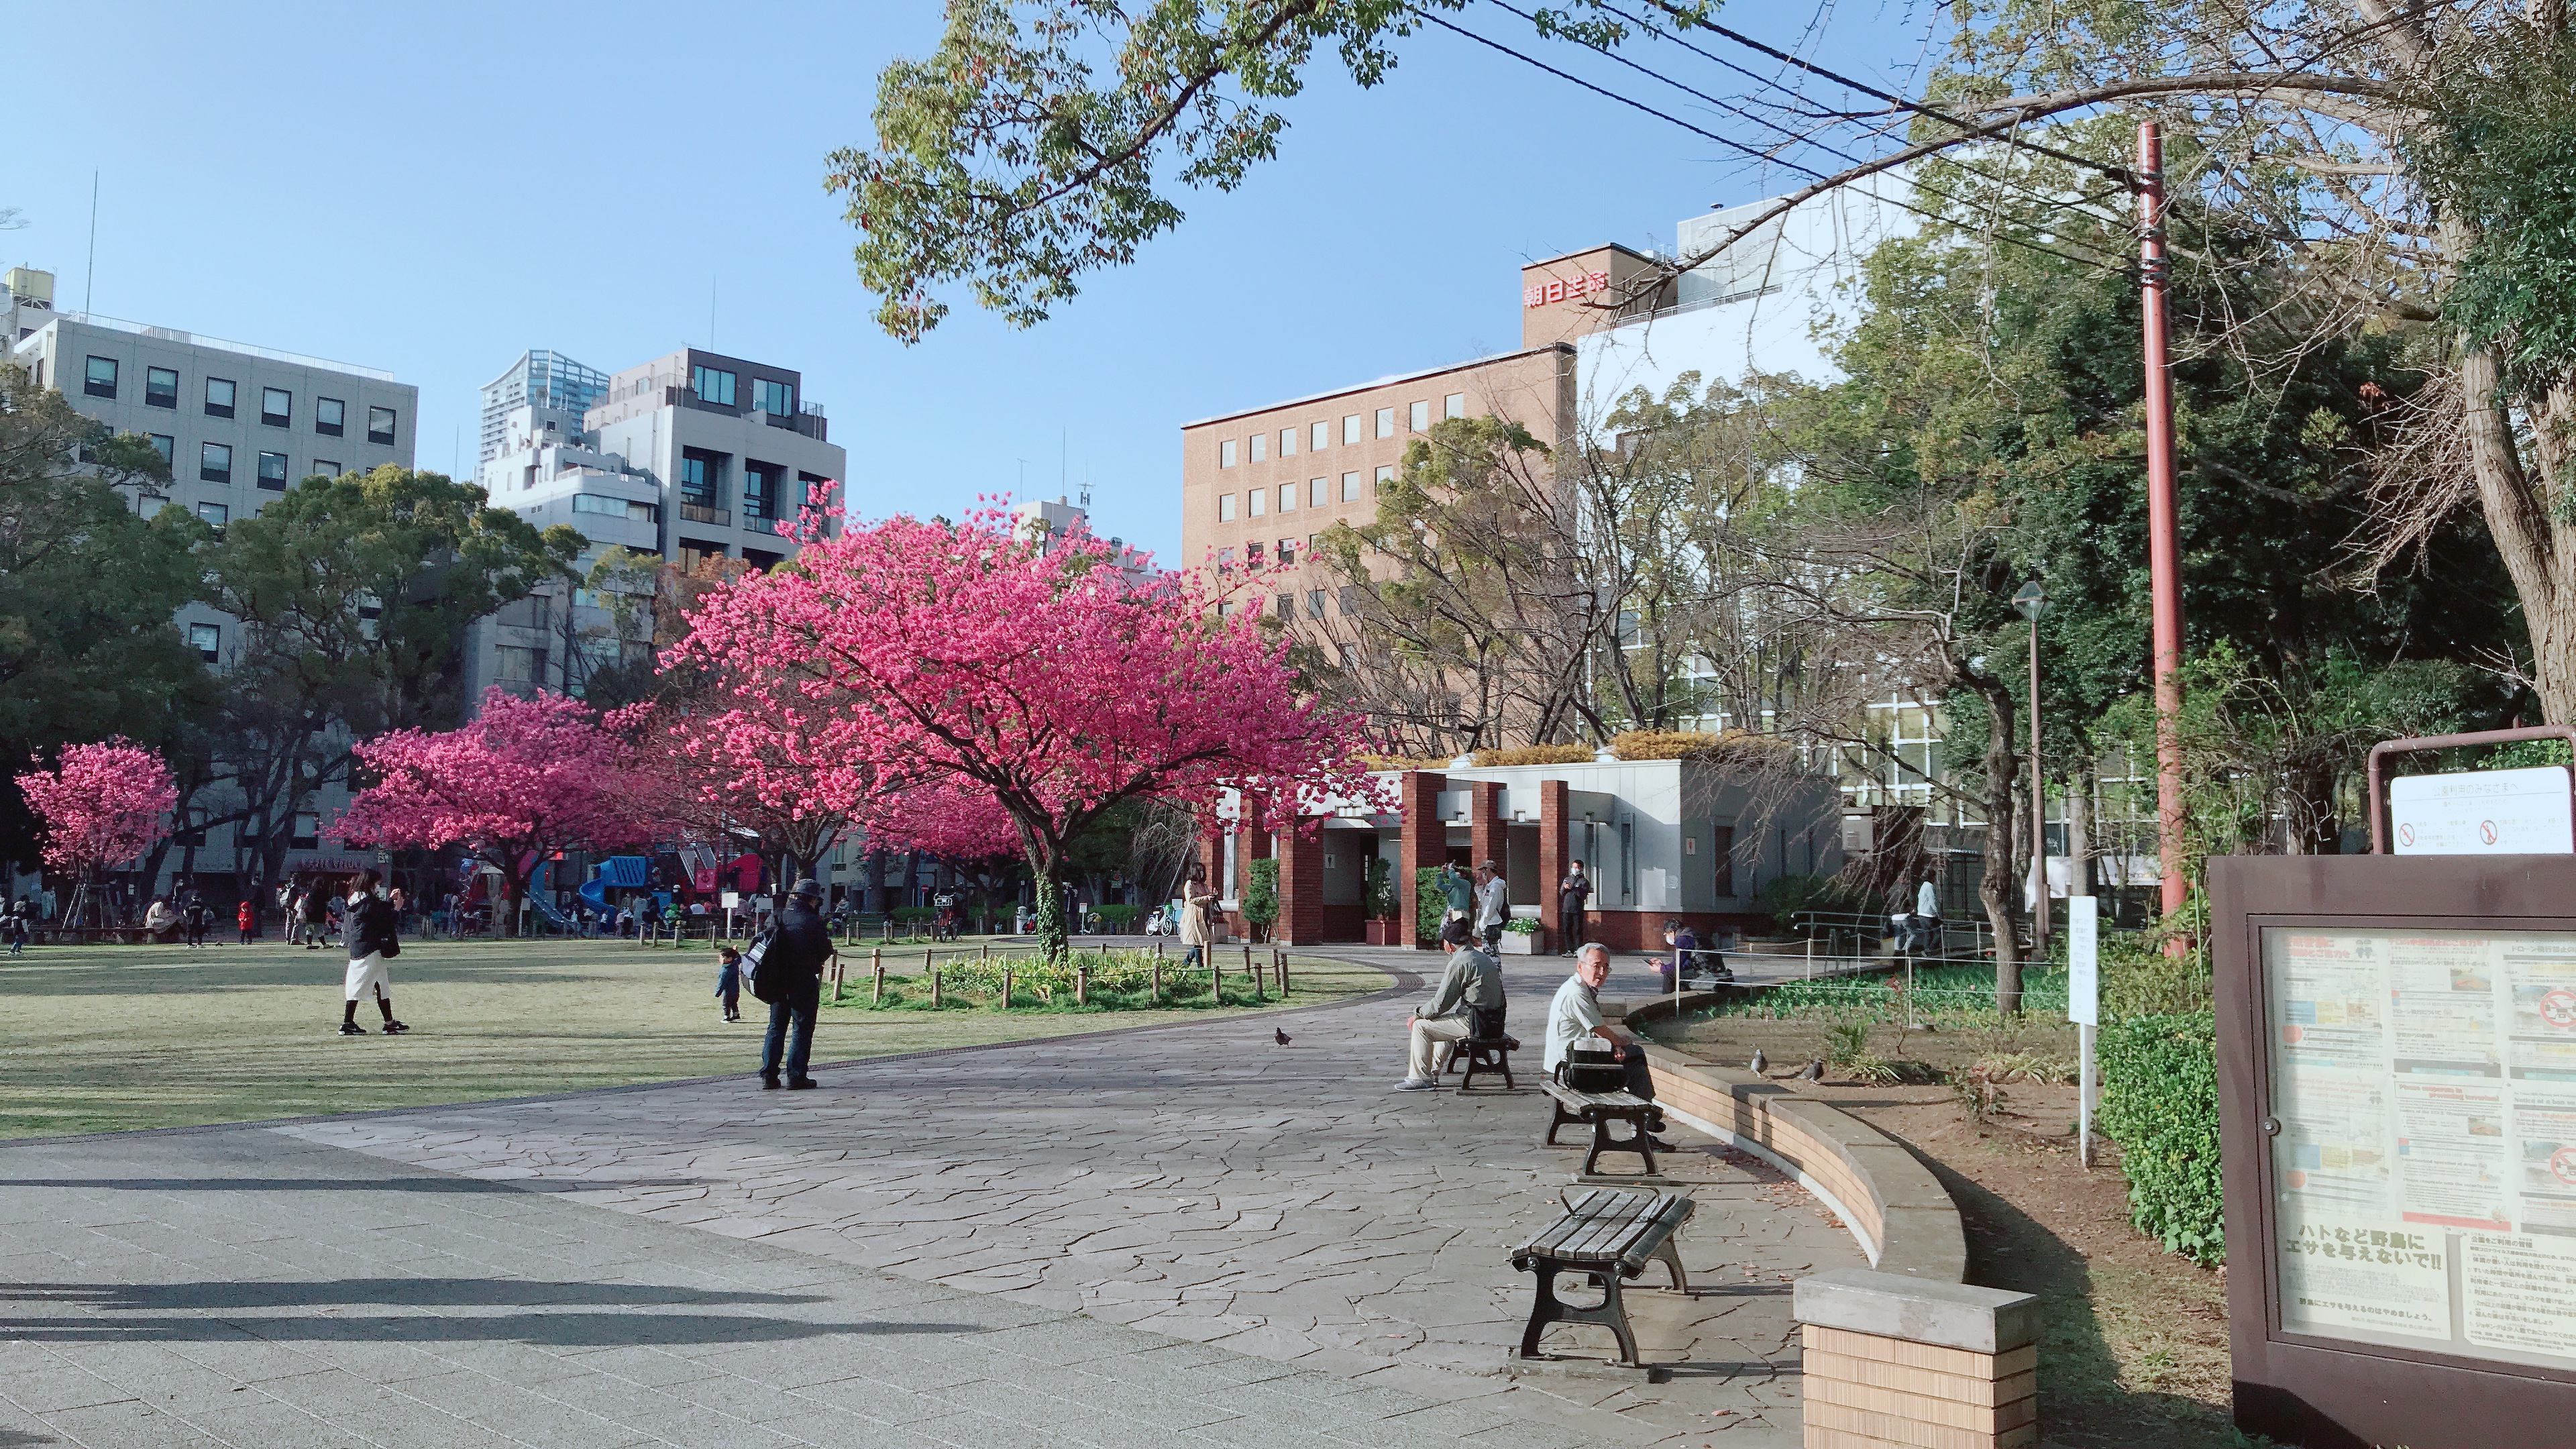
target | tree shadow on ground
[
  {"x": 2082, "y": 1401},
  {"x": 383, "y": 1292},
  {"x": 355, "y": 1184}
]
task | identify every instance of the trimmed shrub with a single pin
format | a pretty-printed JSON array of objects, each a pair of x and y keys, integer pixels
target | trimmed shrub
[
  {"x": 2160, "y": 1103},
  {"x": 1723, "y": 747},
  {"x": 1119, "y": 916},
  {"x": 1430, "y": 904},
  {"x": 1536, "y": 755},
  {"x": 1261, "y": 894},
  {"x": 1378, "y": 891}
]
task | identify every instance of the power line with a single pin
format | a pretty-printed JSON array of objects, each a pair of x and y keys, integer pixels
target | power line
[{"x": 1728, "y": 141}]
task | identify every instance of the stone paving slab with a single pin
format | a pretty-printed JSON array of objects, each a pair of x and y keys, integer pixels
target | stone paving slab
[{"x": 1196, "y": 1183}]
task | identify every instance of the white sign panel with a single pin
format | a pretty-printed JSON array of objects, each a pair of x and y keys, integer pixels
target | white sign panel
[
  {"x": 2483, "y": 812},
  {"x": 2083, "y": 974}
]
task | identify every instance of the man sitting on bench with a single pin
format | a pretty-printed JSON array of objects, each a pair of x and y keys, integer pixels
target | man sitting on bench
[
  {"x": 1468, "y": 1003},
  {"x": 1575, "y": 1013}
]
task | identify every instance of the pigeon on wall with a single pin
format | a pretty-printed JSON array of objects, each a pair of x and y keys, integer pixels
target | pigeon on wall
[{"x": 1760, "y": 1062}]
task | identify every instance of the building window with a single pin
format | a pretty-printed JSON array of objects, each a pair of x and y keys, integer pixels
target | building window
[
  {"x": 616, "y": 508},
  {"x": 1323, "y": 437},
  {"x": 276, "y": 406},
  {"x": 1418, "y": 418},
  {"x": 777, "y": 399},
  {"x": 1252, "y": 554},
  {"x": 167, "y": 447},
  {"x": 329, "y": 415},
  {"x": 218, "y": 515},
  {"x": 308, "y": 832},
  {"x": 272, "y": 472},
  {"x": 1287, "y": 605},
  {"x": 1385, "y": 475},
  {"x": 1351, "y": 428},
  {"x": 215, "y": 463},
  {"x": 326, "y": 467},
  {"x": 161, "y": 387},
  {"x": 807, "y": 483},
  {"x": 1225, "y": 508},
  {"x": 1350, "y": 488},
  {"x": 1722, "y": 845},
  {"x": 100, "y": 379},
  {"x": 1287, "y": 442},
  {"x": 1260, "y": 447},
  {"x": 1319, "y": 492},
  {"x": 1315, "y": 604},
  {"x": 519, "y": 665},
  {"x": 1454, "y": 405},
  {"x": 712, "y": 385},
  {"x": 699, "y": 475},
  {"x": 219, "y": 397},
  {"x": 762, "y": 486},
  {"x": 1225, "y": 453},
  {"x": 380, "y": 425},
  {"x": 1287, "y": 497},
  {"x": 206, "y": 639},
  {"x": 1350, "y": 599},
  {"x": 1259, "y": 499},
  {"x": 1287, "y": 558},
  {"x": 1386, "y": 422}
]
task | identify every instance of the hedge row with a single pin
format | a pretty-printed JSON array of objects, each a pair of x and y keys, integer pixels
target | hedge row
[{"x": 2159, "y": 1081}]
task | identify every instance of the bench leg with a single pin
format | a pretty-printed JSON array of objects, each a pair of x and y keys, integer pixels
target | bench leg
[
  {"x": 1612, "y": 1314},
  {"x": 1640, "y": 1143},
  {"x": 1560, "y": 1118},
  {"x": 1671, "y": 1257}
]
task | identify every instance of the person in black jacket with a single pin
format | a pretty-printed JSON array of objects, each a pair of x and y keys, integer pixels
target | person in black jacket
[
  {"x": 798, "y": 949},
  {"x": 371, "y": 924}
]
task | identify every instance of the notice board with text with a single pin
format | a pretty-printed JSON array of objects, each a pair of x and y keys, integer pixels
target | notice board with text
[{"x": 2397, "y": 1062}]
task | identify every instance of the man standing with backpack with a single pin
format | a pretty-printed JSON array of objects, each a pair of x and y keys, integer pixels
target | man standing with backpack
[{"x": 790, "y": 978}]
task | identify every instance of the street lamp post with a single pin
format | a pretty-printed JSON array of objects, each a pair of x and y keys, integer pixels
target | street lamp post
[{"x": 2032, "y": 601}]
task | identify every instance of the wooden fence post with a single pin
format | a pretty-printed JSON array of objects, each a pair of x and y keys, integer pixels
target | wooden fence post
[
  {"x": 1157, "y": 998},
  {"x": 1082, "y": 986},
  {"x": 877, "y": 965},
  {"x": 935, "y": 999},
  {"x": 1006, "y": 988}
]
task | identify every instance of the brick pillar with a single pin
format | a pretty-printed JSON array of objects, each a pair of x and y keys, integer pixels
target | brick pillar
[
  {"x": 1555, "y": 800},
  {"x": 1890, "y": 1359},
  {"x": 1485, "y": 822},
  {"x": 1425, "y": 842},
  {"x": 1301, "y": 885}
]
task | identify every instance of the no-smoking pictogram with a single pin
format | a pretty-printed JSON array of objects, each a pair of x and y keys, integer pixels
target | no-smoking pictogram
[
  {"x": 2487, "y": 831},
  {"x": 2406, "y": 835},
  {"x": 2562, "y": 1164},
  {"x": 2558, "y": 1008}
]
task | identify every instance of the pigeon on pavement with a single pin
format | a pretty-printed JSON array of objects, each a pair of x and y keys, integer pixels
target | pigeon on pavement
[
  {"x": 1280, "y": 1036},
  {"x": 1760, "y": 1062},
  {"x": 1814, "y": 1071}
]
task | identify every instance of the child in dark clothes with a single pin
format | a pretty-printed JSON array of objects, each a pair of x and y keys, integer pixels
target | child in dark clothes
[{"x": 729, "y": 981}]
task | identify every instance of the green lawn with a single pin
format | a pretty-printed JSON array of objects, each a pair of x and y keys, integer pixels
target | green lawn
[{"x": 105, "y": 1038}]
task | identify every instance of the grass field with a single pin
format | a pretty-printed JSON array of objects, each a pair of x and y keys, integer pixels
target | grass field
[{"x": 106, "y": 1038}]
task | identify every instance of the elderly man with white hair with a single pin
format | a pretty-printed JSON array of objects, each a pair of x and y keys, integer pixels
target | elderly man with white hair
[{"x": 1575, "y": 1013}]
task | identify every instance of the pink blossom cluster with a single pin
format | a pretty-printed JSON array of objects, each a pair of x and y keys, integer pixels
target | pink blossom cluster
[
  {"x": 1047, "y": 681},
  {"x": 105, "y": 803},
  {"x": 525, "y": 777}
]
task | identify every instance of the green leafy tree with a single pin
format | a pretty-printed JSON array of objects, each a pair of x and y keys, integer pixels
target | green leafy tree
[
  {"x": 354, "y": 594},
  {"x": 88, "y": 588},
  {"x": 1261, "y": 894}
]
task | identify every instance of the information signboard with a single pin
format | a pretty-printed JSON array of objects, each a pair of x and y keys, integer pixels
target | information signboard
[
  {"x": 2397, "y": 1064},
  {"x": 2483, "y": 812}
]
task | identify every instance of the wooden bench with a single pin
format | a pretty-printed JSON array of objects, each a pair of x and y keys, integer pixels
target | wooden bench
[
  {"x": 1609, "y": 1236},
  {"x": 1488, "y": 1055},
  {"x": 1598, "y": 1110}
]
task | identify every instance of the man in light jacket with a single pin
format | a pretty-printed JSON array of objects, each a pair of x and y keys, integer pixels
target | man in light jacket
[
  {"x": 1468, "y": 1003},
  {"x": 1493, "y": 904}
]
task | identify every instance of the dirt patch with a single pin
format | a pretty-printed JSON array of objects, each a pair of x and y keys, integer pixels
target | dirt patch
[{"x": 2134, "y": 1339}]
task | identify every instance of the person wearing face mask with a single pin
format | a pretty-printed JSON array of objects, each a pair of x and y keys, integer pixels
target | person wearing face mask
[{"x": 371, "y": 926}]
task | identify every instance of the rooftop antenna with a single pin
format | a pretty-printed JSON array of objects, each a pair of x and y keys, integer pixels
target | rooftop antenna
[
  {"x": 1086, "y": 488},
  {"x": 89, "y": 276}
]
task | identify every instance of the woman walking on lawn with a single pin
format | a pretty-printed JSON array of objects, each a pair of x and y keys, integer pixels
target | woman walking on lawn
[
  {"x": 1196, "y": 901},
  {"x": 372, "y": 947}
]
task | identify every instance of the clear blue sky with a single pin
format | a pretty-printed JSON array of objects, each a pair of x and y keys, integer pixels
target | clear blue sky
[{"x": 435, "y": 189}]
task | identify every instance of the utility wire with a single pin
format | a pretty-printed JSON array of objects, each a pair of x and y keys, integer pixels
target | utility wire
[
  {"x": 2078, "y": 205},
  {"x": 1728, "y": 141}
]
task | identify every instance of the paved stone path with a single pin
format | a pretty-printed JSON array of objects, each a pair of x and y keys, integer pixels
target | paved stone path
[{"x": 1185, "y": 1236}]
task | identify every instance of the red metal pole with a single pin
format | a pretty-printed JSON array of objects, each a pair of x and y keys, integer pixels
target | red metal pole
[{"x": 2163, "y": 566}]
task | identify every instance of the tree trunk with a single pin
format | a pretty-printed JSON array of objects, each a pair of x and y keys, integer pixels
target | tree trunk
[
  {"x": 2537, "y": 554},
  {"x": 1046, "y": 868},
  {"x": 1996, "y": 889}
]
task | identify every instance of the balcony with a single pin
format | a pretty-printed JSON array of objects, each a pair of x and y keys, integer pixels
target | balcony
[{"x": 700, "y": 513}]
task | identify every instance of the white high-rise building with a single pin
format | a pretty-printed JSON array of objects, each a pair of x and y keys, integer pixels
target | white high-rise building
[{"x": 541, "y": 378}]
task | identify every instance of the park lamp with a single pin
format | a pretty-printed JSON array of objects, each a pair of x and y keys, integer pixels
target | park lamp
[{"x": 2031, "y": 600}]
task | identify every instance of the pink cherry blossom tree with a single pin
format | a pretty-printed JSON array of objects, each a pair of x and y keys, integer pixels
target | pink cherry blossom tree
[
  {"x": 104, "y": 803},
  {"x": 1038, "y": 672},
  {"x": 526, "y": 778}
]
